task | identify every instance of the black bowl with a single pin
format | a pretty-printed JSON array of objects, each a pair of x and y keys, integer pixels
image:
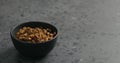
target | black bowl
[{"x": 34, "y": 49}]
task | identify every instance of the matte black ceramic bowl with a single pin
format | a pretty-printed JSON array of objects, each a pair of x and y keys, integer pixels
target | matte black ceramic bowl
[{"x": 34, "y": 49}]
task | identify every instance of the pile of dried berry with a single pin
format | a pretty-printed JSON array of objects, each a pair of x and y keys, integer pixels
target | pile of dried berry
[{"x": 34, "y": 35}]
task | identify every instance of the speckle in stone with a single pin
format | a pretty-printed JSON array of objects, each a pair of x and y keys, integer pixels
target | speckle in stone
[
  {"x": 60, "y": 37},
  {"x": 65, "y": 12},
  {"x": 89, "y": 35},
  {"x": 75, "y": 44},
  {"x": 54, "y": 23},
  {"x": 77, "y": 38},
  {"x": 76, "y": 61},
  {"x": 8, "y": 16},
  {"x": 111, "y": 34},
  {"x": 81, "y": 60},
  {"x": 22, "y": 15},
  {"x": 74, "y": 18},
  {"x": 65, "y": 46},
  {"x": 34, "y": 11},
  {"x": 92, "y": 58},
  {"x": 103, "y": 33},
  {"x": 84, "y": 45},
  {"x": 94, "y": 32},
  {"x": 101, "y": 49},
  {"x": 70, "y": 53},
  {"x": 57, "y": 8},
  {"x": 74, "y": 49},
  {"x": 57, "y": 44},
  {"x": 1, "y": 17},
  {"x": 19, "y": 6},
  {"x": 63, "y": 61},
  {"x": 100, "y": 62},
  {"x": 84, "y": 16},
  {"x": 93, "y": 37}
]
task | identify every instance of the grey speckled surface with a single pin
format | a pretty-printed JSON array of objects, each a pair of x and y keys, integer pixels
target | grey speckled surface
[{"x": 89, "y": 29}]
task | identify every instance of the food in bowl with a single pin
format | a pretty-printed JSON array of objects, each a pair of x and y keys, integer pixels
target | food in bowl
[{"x": 35, "y": 35}]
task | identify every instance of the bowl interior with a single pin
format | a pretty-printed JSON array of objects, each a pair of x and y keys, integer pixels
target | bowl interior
[{"x": 34, "y": 24}]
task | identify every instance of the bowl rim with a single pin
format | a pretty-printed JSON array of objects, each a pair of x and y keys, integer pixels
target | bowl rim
[{"x": 14, "y": 27}]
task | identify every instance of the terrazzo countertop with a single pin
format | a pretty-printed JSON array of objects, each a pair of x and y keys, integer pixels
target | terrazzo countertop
[{"x": 89, "y": 29}]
